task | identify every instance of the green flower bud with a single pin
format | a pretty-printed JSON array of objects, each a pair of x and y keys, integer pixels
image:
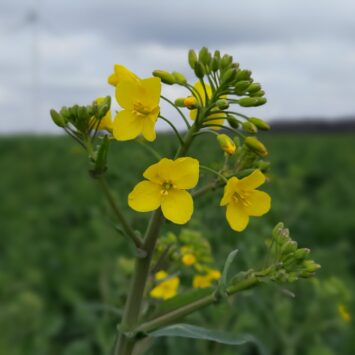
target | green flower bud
[
  {"x": 229, "y": 75},
  {"x": 251, "y": 101},
  {"x": 256, "y": 146},
  {"x": 191, "y": 102},
  {"x": 301, "y": 253},
  {"x": 216, "y": 61},
  {"x": 82, "y": 113},
  {"x": 258, "y": 122},
  {"x": 249, "y": 127},
  {"x": 241, "y": 86},
  {"x": 226, "y": 61},
  {"x": 100, "y": 165},
  {"x": 292, "y": 277},
  {"x": 259, "y": 93},
  {"x": 310, "y": 266},
  {"x": 58, "y": 119},
  {"x": 243, "y": 75},
  {"x": 254, "y": 88},
  {"x": 204, "y": 56},
  {"x": 199, "y": 72},
  {"x": 222, "y": 104},
  {"x": 179, "y": 102},
  {"x": 263, "y": 165},
  {"x": 288, "y": 248},
  {"x": 233, "y": 122},
  {"x": 179, "y": 78},
  {"x": 192, "y": 57},
  {"x": 166, "y": 78},
  {"x": 65, "y": 113}
]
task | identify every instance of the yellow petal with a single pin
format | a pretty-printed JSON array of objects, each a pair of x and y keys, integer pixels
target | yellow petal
[
  {"x": 237, "y": 218},
  {"x": 127, "y": 125},
  {"x": 198, "y": 86},
  {"x": 121, "y": 73},
  {"x": 177, "y": 206},
  {"x": 218, "y": 121},
  {"x": 184, "y": 173},
  {"x": 152, "y": 91},
  {"x": 128, "y": 93},
  {"x": 229, "y": 190},
  {"x": 252, "y": 181},
  {"x": 156, "y": 172},
  {"x": 145, "y": 197},
  {"x": 259, "y": 203}
]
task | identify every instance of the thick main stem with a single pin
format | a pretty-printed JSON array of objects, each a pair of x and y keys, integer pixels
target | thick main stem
[{"x": 132, "y": 309}]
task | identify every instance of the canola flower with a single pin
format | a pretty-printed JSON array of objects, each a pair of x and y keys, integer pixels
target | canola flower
[
  {"x": 165, "y": 289},
  {"x": 227, "y": 144},
  {"x": 243, "y": 200},
  {"x": 139, "y": 99},
  {"x": 165, "y": 187},
  {"x": 119, "y": 74},
  {"x": 202, "y": 281},
  {"x": 193, "y": 113}
]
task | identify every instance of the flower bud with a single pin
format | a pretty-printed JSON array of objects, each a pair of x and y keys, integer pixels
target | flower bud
[
  {"x": 226, "y": 144},
  {"x": 165, "y": 77},
  {"x": 199, "y": 72},
  {"x": 216, "y": 61},
  {"x": 243, "y": 75},
  {"x": 288, "y": 247},
  {"x": 310, "y": 266},
  {"x": 301, "y": 253},
  {"x": 249, "y": 127},
  {"x": 256, "y": 146},
  {"x": 222, "y": 104},
  {"x": 254, "y": 88},
  {"x": 226, "y": 61},
  {"x": 241, "y": 86},
  {"x": 259, "y": 93},
  {"x": 191, "y": 102},
  {"x": 179, "y": 78},
  {"x": 58, "y": 119},
  {"x": 179, "y": 102},
  {"x": 263, "y": 165},
  {"x": 251, "y": 101},
  {"x": 233, "y": 122},
  {"x": 229, "y": 75},
  {"x": 259, "y": 123},
  {"x": 192, "y": 57},
  {"x": 204, "y": 56}
]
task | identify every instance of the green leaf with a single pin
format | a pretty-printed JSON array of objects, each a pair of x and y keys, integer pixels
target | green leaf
[
  {"x": 224, "y": 279},
  {"x": 192, "y": 331}
]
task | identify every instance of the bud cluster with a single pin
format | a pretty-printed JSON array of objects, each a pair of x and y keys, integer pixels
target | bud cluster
[
  {"x": 82, "y": 120},
  {"x": 291, "y": 262}
]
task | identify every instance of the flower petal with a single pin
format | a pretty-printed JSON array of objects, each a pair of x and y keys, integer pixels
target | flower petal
[
  {"x": 128, "y": 93},
  {"x": 237, "y": 217},
  {"x": 148, "y": 130},
  {"x": 152, "y": 91},
  {"x": 252, "y": 181},
  {"x": 121, "y": 73},
  {"x": 198, "y": 86},
  {"x": 156, "y": 172},
  {"x": 229, "y": 190},
  {"x": 184, "y": 173},
  {"x": 127, "y": 125},
  {"x": 219, "y": 120},
  {"x": 177, "y": 206},
  {"x": 260, "y": 203},
  {"x": 145, "y": 197}
]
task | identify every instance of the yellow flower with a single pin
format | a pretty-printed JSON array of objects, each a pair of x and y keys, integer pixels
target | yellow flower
[
  {"x": 140, "y": 102},
  {"x": 242, "y": 200},
  {"x": 188, "y": 259},
  {"x": 106, "y": 121},
  {"x": 202, "y": 281},
  {"x": 165, "y": 186},
  {"x": 193, "y": 113},
  {"x": 119, "y": 74},
  {"x": 344, "y": 313},
  {"x": 167, "y": 288}
]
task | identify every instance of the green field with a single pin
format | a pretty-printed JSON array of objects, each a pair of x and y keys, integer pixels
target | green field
[{"x": 62, "y": 280}]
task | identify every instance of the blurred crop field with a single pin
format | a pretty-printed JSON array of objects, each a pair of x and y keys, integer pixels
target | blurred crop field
[{"x": 64, "y": 268}]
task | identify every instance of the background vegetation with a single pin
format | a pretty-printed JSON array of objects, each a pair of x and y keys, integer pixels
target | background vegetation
[{"x": 62, "y": 275}]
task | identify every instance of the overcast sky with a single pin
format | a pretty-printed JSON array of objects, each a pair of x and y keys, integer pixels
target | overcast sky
[{"x": 56, "y": 53}]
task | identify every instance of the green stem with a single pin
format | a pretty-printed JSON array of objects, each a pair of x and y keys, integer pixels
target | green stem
[
  {"x": 178, "y": 110},
  {"x": 120, "y": 216},
  {"x": 203, "y": 167},
  {"x": 174, "y": 128},
  {"x": 183, "y": 311}
]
